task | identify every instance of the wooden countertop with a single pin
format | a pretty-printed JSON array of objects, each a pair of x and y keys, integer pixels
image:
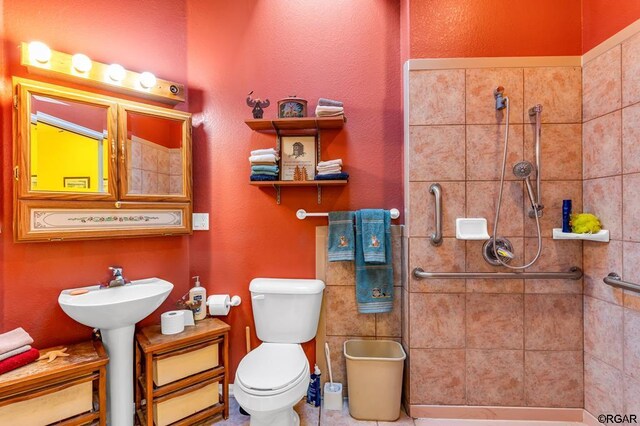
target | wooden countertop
[
  {"x": 151, "y": 338},
  {"x": 83, "y": 357}
]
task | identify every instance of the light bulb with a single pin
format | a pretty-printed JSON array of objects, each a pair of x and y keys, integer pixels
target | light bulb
[
  {"x": 147, "y": 80},
  {"x": 39, "y": 52},
  {"x": 81, "y": 62},
  {"x": 116, "y": 72}
]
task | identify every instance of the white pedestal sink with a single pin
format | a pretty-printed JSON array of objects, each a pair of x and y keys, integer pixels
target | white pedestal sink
[{"x": 115, "y": 311}]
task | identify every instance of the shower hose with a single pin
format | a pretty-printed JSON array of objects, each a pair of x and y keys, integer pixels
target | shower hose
[{"x": 495, "y": 226}]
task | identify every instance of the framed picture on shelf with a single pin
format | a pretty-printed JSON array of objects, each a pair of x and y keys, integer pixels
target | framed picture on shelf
[{"x": 297, "y": 158}]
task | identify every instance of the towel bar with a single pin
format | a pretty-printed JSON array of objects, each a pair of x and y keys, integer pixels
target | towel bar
[
  {"x": 614, "y": 280},
  {"x": 302, "y": 214},
  {"x": 574, "y": 273}
]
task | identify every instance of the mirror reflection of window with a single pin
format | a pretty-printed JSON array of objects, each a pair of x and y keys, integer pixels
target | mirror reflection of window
[
  {"x": 154, "y": 152},
  {"x": 68, "y": 146}
]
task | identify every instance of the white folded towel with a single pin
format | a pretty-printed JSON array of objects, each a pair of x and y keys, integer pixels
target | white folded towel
[
  {"x": 328, "y": 111},
  {"x": 334, "y": 169},
  {"x": 329, "y": 108},
  {"x": 329, "y": 114},
  {"x": 265, "y": 151},
  {"x": 15, "y": 352},
  {"x": 330, "y": 162},
  {"x": 14, "y": 339},
  {"x": 328, "y": 172},
  {"x": 266, "y": 158}
]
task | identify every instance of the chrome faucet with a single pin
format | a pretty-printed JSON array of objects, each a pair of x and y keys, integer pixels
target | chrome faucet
[{"x": 116, "y": 279}]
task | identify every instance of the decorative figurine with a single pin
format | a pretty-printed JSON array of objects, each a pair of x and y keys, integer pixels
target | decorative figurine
[{"x": 257, "y": 105}]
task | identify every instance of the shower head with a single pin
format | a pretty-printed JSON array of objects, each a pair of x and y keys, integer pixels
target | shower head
[{"x": 522, "y": 169}]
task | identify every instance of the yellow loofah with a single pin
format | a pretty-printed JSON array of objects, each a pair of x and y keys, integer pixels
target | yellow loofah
[{"x": 585, "y": 223}]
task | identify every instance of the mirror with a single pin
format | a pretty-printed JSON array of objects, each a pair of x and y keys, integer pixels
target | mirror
[
  {"x": 88, "y": 165},
  {"x": 68, "y": 145},
  {"x": 155, "y": 155}
]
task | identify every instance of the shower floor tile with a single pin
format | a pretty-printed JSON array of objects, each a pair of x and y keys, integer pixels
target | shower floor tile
[{"x": 312, "y": 416}]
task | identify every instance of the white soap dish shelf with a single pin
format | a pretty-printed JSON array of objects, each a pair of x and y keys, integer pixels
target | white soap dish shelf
[
  {"x": 471, "y": 228},
  {"x": 600, "y": 236}
]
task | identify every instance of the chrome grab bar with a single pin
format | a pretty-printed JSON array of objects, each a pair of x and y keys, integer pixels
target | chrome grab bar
[
  {"x": 574, "y": 273},
  {"x": 436, "y": 237},
  {"x": 615, "y": 280}
]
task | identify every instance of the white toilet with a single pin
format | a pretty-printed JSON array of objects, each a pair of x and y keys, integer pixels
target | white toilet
[{"x": 272, "y": 378}]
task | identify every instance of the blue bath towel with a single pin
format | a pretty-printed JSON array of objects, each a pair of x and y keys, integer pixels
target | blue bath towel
[
  {"x": 374, "y": 228},
  {"x": 260, "y": 168},
  {"x": 263, "y": 177},
  {"x": 341, "y": 239},
  {"x": 374, "y": 282},
  {"x": 333, "y": 176}
]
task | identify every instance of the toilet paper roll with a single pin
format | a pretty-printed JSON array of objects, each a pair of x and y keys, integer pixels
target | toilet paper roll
[
  {"x": 219, "y": 304},
  {"x": 188, "y": 317},
  {"x": 172, "y": 322}
]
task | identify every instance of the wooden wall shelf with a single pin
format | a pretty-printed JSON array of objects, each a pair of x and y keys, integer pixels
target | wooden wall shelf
[
  {"x": 303, "y": 123},
  {"x": 298, "y": 126},
  {"x": 317, "y": 183},
  {"x": 300, "y": 183}
]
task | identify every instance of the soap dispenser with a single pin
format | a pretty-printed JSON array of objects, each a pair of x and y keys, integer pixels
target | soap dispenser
[{"x": 197, "y": 297}]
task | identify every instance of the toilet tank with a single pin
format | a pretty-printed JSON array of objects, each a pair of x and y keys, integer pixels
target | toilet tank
[{"x": 286, "y": 310}]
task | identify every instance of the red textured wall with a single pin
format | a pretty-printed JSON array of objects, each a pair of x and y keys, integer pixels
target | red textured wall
[
  {"x": 346, "y": 52},
  {"x": 229, "y": 48},
  {"x": 604, "y": 18},
  {"x": 141, "y": 35},
  {"x": 486, "y": 28}
]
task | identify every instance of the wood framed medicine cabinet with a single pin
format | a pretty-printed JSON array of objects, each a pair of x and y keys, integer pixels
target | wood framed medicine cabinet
[{"x": 91, "y": 166}]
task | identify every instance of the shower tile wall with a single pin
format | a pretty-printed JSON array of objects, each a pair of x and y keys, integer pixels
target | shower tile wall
[
  {"x": 492, "y": 342},
  {"x": 611, "y": 105},
  {"x": 340, "y": 319},
  {"x": 154, "y": 169}
]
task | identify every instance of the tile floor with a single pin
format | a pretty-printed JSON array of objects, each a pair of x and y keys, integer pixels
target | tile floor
[{"x": 312, "y": 416}]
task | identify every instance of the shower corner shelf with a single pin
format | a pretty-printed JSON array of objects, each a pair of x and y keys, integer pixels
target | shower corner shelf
[{"x": 602, "y": 236}]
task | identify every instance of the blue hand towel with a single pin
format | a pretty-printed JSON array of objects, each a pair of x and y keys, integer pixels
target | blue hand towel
[
  {"x": 373, "y": 235},
  {"x": 374, "y": 282},
  {"x": 273, "y": 169},
  {"x": 263, "y": 177},
  {"x": 341, "y": 240}
]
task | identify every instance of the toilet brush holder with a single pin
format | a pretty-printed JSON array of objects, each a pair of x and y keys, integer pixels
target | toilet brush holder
[{"x": 333, "y": 396}]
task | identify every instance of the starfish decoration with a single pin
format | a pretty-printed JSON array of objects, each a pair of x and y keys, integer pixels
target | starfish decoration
[{"x": 53, "y": 354}]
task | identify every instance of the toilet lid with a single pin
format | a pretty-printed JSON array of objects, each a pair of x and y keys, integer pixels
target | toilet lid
[{"x": 272, "y": 366}]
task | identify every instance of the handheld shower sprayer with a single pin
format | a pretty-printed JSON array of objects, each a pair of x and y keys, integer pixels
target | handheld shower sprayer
[
  {"x": 501, "y": 102},
  {"x": 523, "y": 170}
]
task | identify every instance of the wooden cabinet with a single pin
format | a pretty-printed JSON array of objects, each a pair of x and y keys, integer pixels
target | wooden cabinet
[
  {"x": 67, "y": 391},
  {"x": 178, "y": 376},
  {"x": 298, "y": 126},
  {"x": 92, "y": 166}
]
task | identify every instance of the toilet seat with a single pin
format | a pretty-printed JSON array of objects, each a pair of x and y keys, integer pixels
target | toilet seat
[{"x": 271, "y": 369}]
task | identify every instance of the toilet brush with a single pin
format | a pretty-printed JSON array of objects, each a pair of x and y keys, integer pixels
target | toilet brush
[{"x": 332, "y": 391}]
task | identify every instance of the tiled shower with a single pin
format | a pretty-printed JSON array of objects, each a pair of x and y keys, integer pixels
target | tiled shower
[
  {"x": 611, "y": 187},
  {"x": 525, "y": 343}
]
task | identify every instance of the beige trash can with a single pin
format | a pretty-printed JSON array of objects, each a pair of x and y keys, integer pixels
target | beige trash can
[{"x": 374, "y": 378}]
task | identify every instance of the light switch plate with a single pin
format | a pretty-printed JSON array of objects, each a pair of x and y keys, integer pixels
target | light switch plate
[{"x": 200, "y": 221}]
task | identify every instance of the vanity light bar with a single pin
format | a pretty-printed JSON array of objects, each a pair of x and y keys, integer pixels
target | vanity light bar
[{"x": 111, "y": 77}]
